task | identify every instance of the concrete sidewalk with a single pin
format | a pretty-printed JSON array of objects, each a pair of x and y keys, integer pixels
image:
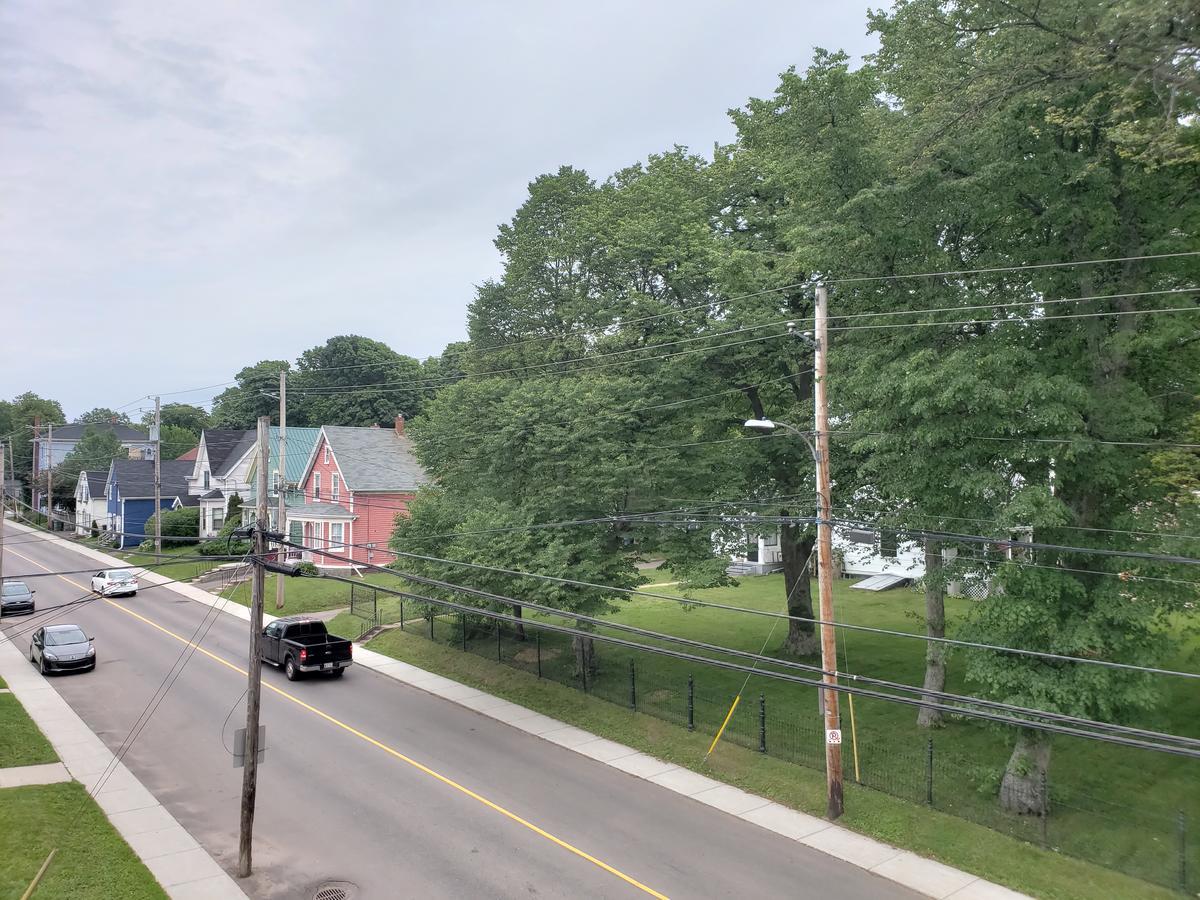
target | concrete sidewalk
[
  {"x": 177, "y": 861},
  {"x": 902, "y": 866}
]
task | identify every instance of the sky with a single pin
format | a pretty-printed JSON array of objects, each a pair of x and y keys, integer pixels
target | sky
[{"x": 189, "y": 188}]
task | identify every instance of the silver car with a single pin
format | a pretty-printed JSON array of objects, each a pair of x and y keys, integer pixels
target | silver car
[
  {"x": 62, "y": 648},
  {"x": 115, "y": 583}
]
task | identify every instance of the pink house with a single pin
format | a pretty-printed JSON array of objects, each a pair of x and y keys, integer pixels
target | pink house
[{"x": 356, "y": 482}]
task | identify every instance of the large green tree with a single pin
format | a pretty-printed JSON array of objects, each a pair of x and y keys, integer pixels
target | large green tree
[
  {"x": 353, "y": 380},
  {"x": 184, "y": 415},
  {"x": 20, "y": 416},
  {"x": 241, "y": 405},
  {"x": 104, "y": 415},
  {"x": 95, "y": 450}
]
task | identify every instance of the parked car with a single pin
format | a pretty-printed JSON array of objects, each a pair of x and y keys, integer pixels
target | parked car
[
  {"x": 62, "y": 648},
  {"x": 115, "y": 583},
  {"x": 16, "y": 597},
  {"x": 301, "y": 645}
]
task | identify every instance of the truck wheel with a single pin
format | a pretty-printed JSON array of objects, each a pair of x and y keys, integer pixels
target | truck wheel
[
  {"x": 338, "y": 673},
  {"x": 289, "y": 669}
]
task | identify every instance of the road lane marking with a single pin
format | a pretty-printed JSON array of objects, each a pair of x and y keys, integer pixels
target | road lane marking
[{"x": 449, "y": 782}]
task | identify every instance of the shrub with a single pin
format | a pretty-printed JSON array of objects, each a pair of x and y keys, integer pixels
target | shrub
[
  {"x": 307, "y": 568},
  {"x": 178, "y": 524}
]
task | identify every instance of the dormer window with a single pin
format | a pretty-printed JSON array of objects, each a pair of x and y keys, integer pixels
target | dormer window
[
  {"x": 206, "y": 479},
  {"x": 326, "y": 454}
]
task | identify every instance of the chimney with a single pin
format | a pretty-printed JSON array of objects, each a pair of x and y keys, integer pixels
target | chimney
[{"x": 400, "y": 424}]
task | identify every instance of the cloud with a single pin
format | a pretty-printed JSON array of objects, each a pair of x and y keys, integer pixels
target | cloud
[{"x": 218, "y": 183}]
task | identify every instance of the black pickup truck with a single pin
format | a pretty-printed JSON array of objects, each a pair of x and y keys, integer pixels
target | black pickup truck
[{"x": 303, "y": 645}]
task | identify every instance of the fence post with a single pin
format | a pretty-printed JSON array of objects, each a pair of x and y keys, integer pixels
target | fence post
[
  {"x": 539, "y": 653},
  {"x": 1045, "y": 807},
  {"x": 401, "y": 613},
  {"x": 691, "y": 704},
  {"x": 498, "y": 640},
  {"x": 632, "y": 686},
  {"x": 929, "y": 771},
  {"x": 431, "y": 624},
  {"x": 463, "y": 620},
  {"x": 584, "y": 669},
  {"x": 1182, "y": 850},
  {"x": 762, "y": 723}
]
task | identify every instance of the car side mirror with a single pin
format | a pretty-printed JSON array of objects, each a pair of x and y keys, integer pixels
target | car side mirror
[{"x": 31, "y": 593}]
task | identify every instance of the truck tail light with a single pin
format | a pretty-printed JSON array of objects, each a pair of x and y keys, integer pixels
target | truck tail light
[
  {"x": 352, "y": 650},
  {"x": 303, "y": 654}
]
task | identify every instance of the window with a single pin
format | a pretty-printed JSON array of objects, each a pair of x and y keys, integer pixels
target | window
[
  {"x": 316, "y": 485},
  {"x": 336, "y": 533},
  {"x": 218, "y": 519},
  {"x": 296, "y": 532},
  {"x": 206, "y": 479},
  {"x": 889, "y": 542},
  {"x": 326, "y": 448},
  {"x": 275, "y": 482},
  {"x": 335, "y": 487},
  {"x": 273, "y": 629}
]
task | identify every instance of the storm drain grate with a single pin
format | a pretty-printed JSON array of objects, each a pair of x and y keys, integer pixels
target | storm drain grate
[{"x": 336, "y": 890}]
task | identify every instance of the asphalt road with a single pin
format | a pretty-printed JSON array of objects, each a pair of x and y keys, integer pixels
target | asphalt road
[{"x": 340, "y": 804}]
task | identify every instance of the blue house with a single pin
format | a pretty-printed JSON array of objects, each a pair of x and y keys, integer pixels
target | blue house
[{"x": 129, "y": 491}]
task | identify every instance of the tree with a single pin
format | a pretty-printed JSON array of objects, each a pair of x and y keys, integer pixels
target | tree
[
  {"x": 21, "y": 413},
  {"x": 177, "y": 440},
  {"x": 95, "y": 450},
  {"x": 1035, "y": 118},
  {"x": 183, "y": 415},
  {"x": 240, "y": 406},
  {"x": 353, "y": 380},
  {"x": 103, "y": 416}
]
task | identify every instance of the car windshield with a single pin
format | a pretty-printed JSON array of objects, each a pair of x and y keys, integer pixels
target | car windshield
[
  {"x": 15, "y": 589},
  {"x": 120, "y": 576},
  {"x": 65, "y": 636}
]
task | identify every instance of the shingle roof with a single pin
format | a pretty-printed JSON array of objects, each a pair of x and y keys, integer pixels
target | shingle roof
[
  {"x": 225, "y": 446},
  {"x": 74, "y": 431},
  {"x": 96, "y": 480},
  {"x": 375, "y": 459},
  {"x": 135, "y": 477}
]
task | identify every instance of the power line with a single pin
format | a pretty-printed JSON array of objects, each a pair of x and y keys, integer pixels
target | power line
[
  {"x": 688, "y": 601},
  {"x": 856, "y": 279}
]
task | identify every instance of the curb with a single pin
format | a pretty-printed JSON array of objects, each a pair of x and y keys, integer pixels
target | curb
[
  {"x": 176, "y": 860},
  {"x": 904, "y": 867}
]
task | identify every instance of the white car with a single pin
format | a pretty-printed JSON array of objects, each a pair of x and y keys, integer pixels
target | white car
[{"x": 115, "y": 583}]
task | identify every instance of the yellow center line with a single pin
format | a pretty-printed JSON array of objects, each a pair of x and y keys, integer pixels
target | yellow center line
[{"x": 449, "y": 782}]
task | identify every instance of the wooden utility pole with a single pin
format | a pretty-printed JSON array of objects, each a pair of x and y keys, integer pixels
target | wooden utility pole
[
  {"x": 833, "y": 733},
  {"x": 254, "y": 667},
  {"x": 3, "y": 506},
  {"x": 157, "y": 438},
  {"x": 50, "y": 479},
  {"x": 281, "y": 525},
  {"x": 33, "y": 464}
]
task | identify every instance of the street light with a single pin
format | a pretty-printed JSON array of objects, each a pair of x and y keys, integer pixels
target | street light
[{"x": 820, "y": 451}]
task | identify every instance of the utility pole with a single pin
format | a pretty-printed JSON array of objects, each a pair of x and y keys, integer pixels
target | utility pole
[
  {"x": 281, "y": 525},
  {"x": 157, "y": 438},
  {"x": 33, "y": 463},
  {"x": 833, "y": 734},
  {"x": 50, "y": 480},
  {"x": 254, "y": 668},
  {"x": 3, "y": 505}
]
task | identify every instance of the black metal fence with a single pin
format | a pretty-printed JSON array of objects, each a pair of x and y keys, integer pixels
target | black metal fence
[{"x": 1152, "y": 845}]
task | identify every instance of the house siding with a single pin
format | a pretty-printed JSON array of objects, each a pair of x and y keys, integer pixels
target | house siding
[{"x": 134, "y": 516}]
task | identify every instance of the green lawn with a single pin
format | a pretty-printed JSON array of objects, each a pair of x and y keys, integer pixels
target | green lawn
[
  {"x": 1110, "y": 804},
  {"x": 306, "y": 595},
  {"x": 180, "y": 571},
  {"x": 21, "y": 744},
  {"x": 92, "y": 859}
]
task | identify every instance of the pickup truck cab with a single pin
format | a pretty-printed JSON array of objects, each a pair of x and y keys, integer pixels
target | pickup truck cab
[{"x": 300, "y": 645}]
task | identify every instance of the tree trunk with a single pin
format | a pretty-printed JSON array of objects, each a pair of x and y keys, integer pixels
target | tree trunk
[
  {"x": 935, "y": 626},
  {"x": 585, "y": 655},
  {"x": 1023, "y": 789},
  {"x": 796, "y": 548},
  {"x": 520, "y": 629}
]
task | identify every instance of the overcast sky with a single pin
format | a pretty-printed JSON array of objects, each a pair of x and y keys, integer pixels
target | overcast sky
[{"x": 189, "y": 188}]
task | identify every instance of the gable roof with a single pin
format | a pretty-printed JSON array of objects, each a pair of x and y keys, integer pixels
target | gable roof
[
  {"x": 373, "y": 459},
  {"x": 135, "y": 477},
  {"x": 96, "y": 479},
  {"x": 190, "y": 455},
  {"x": 75, "y": 430},
  {"x": 225, "y": 447}
]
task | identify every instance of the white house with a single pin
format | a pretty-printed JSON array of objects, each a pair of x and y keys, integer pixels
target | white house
[
  {"x": 90, "y": 503},
  {"x": 220, "y": 470}
]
